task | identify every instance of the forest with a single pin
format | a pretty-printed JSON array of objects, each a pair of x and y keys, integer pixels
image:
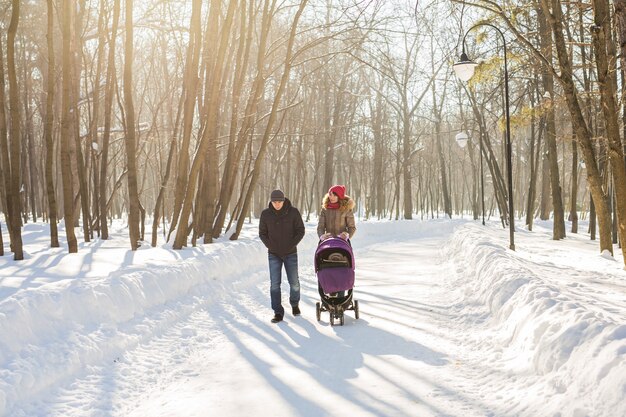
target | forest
[{"x": 181, "y": 116}]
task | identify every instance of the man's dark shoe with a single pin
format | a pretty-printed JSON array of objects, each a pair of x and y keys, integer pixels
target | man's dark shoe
[
  {"x": 295, "y": 310},
  {"x": 277, "y": 318}
]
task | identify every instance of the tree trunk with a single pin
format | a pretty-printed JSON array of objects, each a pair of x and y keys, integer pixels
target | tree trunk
[
  {"x": 106, "y": 134},
  {"x": 13, "y": 193},
  {"x": 406, "y": 168},
  {"x": 620, "y": 23},
  {"x": 592, "y": 218},
  {"x": 606, "y": 71},
  {"x": 447, "y": 205},
  {"x": 377, "y": 197},
  {"x": 131, "y": 142},
  {"x": 546, "y": 199},
  {"x": 5, "y": 166},
  {"x": 66, "y": 130},
  {"x": 558, "y": 230},
  {"x": 573, "y": 212},
  {"x": 589, "y": 110},
  {"x": 535, "y": 143},
  {"x": 29, "y": 160},
  {"x": 80, "y": 172},
  {"x": 83, "y": 192},
  {"x": 93, "y": 131}
]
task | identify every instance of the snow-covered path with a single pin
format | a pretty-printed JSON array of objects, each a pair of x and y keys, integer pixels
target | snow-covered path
[
  {"x": 224, "y": 357},
  {"x": 437, "y": 337}
]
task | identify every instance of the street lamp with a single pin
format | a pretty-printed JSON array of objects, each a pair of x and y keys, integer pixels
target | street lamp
[
  {"x": 461, "y": 140},
  {"x": 464, "y": 69}
]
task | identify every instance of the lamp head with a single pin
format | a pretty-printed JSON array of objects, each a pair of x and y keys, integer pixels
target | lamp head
[
  {"x": 461, "y": 139},
  {"x": 464, "y": 69}
]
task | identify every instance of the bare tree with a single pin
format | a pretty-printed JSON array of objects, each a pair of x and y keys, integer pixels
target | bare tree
[
  {"x": 131, "y": 141},
  {"x": 67, "y": 129},
  {"x": 272, "y": 118},
  {"x": 48, "y": 128},
  {"x": 5, "y": 165},
  {"x": 558, "y": 230},
  {"x": 604, "y": 48},
  {"x": 552, "y": 8},
  {"x": 14, "y": 189},
  {"x": 208, "y": 136},
  {"x": 236, "y": 142},
  {"x": 190, "y": 93},
  {"x": 108, "y": 108}
]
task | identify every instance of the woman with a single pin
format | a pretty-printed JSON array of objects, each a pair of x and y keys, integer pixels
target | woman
[{"x": 336, "y": 218}]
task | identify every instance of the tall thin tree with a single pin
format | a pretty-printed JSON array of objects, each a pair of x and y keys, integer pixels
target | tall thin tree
[
  {"x": 48, "y": 127},
  {"x": 15, "y": 137},
  {"x": 66, "y": 129},
  {"x": 5, "y": 163},
  {"x": 131, "y": 142},
  {"x": 108, "y": 109}
]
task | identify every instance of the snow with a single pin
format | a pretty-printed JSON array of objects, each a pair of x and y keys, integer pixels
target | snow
[{"x": 452, "y": 323}]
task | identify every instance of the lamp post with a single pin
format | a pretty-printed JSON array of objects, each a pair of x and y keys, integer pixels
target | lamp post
[
  {"x": 461, "y": 140},
  {"x": 464, "y": 69}
]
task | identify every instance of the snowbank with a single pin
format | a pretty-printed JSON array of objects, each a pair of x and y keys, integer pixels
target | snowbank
[{"x": 546, "y": 326}]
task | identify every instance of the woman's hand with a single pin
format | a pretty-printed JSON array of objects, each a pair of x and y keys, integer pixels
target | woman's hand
[
  {"x": 325, "y": 236},
  {"x": 344, "y": 235}
]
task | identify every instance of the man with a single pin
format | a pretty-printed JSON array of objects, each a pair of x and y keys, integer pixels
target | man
[{"x": 281, "y": 229}]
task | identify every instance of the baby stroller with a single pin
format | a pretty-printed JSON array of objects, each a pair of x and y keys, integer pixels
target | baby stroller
[{"x": 334, "y": 267}]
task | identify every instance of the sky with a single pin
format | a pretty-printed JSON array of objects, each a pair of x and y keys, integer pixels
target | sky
[{"x": 452, "y": 323}]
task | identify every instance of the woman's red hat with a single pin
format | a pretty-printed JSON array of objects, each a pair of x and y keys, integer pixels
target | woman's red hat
[{"x": 339, "y": 190}]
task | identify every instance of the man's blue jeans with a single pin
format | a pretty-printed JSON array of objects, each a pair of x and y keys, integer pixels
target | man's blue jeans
[{"x": 291, "y": 267}]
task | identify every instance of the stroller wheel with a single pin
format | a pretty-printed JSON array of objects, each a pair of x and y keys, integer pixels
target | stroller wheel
[
  {"x": 341, "y": 319},
  {"x": 356, "y": 309},
  {"x": 318, "y": 311},
  {"x": 332, "y": 319}
]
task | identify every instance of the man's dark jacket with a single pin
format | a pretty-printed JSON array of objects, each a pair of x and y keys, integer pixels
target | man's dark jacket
[{"x": 281, "y": 230}]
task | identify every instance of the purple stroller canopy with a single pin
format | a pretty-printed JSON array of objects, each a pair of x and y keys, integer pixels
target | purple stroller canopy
[
  {"x": 334, "y": 265},
  {"x": 329, "y": 245}
]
